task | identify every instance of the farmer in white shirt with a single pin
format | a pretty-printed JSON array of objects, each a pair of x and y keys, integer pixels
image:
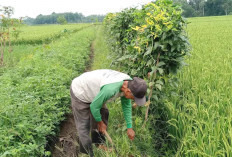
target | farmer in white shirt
[{"x": 89, "y": 94}]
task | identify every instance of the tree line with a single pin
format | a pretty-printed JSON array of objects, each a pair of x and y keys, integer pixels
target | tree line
[
  {"x": 62, "y": 18},
  {"x": 194, "y": 8}
]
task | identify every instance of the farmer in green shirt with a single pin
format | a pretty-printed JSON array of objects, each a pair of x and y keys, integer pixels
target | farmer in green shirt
[{"x": 91, "y": 91}]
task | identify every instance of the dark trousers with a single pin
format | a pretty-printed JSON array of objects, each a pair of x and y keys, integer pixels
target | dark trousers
[{"x": 85, "y": 123}]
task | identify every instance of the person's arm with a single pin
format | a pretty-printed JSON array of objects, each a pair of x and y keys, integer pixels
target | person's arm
[
  {"x": 127, "y": 112},
  {"x": 105, "y": 93}
]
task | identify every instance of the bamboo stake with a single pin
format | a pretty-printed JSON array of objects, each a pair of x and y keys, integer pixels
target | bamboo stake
[{"x": 150, "y": 94}]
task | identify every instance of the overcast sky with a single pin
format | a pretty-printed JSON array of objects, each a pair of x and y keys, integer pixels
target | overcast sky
[{"x": 32, "y": 8}]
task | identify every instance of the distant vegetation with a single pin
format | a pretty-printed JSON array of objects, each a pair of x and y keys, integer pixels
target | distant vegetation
[
  {"x": 69, "y": 17},
  {"x": 194, "y": 8}
]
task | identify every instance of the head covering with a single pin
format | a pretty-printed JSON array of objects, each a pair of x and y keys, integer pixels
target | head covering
[{"x": 138, "y": 88}]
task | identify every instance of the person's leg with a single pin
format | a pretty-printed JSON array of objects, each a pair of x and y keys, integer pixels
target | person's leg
[
  {"x": 82, "y": 122},
  {"x": 97, "y": 137}
]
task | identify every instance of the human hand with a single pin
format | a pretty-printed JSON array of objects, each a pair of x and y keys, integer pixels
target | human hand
[
  {"x": 134, "y": 105},
  {"x": 131, "y": 133},
  {"x": 101, "y": 127}
]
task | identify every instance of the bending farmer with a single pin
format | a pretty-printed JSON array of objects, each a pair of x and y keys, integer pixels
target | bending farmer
[{"x": 91, "y": 91}]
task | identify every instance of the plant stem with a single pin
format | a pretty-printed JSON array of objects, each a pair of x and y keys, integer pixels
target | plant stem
[
  {"x": 2, "y": 51},
  {"x": 151, "y": 89}
]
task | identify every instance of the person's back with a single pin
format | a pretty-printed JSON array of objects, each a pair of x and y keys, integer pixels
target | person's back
[{"x": 87, "y": 86}]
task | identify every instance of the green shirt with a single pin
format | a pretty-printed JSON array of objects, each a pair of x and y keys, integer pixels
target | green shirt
[{"x": 107, "y": 92}]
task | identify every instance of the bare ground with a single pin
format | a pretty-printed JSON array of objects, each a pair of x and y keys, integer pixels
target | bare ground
[{"x": 66, "y": 145}]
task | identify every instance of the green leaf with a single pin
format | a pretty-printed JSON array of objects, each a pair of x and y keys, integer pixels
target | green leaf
[
  {"x": 173, "y": 48},
  {"x": 151, "y": 84},
  {"x": 158, "y": 86},
  {"x": 155, "y": 97},
  {"x": 159, "y": 82},
  {"x": 149, "y": 50},
  {"x": 133, "y": 72},
  {"x": 149, "y": 62},
  {"x": 164, "y": 36},
  {"x": 160, "y": 64},
  {"x": 161, "y": 71},
  {"x": 154, "y": 68},
  {"x": 156, "y": 45}
]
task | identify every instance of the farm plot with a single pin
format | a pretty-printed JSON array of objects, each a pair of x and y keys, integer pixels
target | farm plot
[
  {"x": 35, "y": 93},
  {"x": 200, "y": 112},
  {"x": 45, "y": 33}
]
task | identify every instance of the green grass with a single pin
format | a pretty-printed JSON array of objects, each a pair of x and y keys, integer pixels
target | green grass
[
  {"x": 142, "y": 145},
  {"x": 200, "y": 115},
  {"x": 101, "y": 58}
]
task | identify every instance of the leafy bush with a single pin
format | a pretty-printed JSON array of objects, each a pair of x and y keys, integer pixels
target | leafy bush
[{"x": 150, "y": 43}]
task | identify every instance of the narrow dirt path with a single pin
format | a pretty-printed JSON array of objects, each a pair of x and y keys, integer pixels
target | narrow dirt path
[{"x": 66, "y": 144}]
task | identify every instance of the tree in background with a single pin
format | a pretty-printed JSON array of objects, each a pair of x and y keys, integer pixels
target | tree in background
[
  {"x": 61, "y": 20},
  {"x": 193, "y": 8},
  {"x": 188, "y": 10},
  {"x": 70, "y": 18},
  {"x": 227, "y": 6},
  {"x": 8, "y": 27},
  {"x": 214, "y": 8}
]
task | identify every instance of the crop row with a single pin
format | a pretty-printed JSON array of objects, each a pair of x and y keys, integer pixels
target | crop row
[
  {"x": 35, "y": 94},
  {"x": 45, "y": 33}
]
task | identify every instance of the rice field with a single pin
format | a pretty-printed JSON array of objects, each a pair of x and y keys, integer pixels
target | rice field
[{"x": 200, "y": 114}]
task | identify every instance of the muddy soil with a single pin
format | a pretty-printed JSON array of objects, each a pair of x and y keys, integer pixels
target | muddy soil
[{"x": 66, "y": 145}]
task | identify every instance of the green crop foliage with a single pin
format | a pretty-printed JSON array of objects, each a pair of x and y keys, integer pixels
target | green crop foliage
[
  {"x": 35, "y": 93},
  {"x": 45, "y": 33},
  {"x": 199, "y": 110}
]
